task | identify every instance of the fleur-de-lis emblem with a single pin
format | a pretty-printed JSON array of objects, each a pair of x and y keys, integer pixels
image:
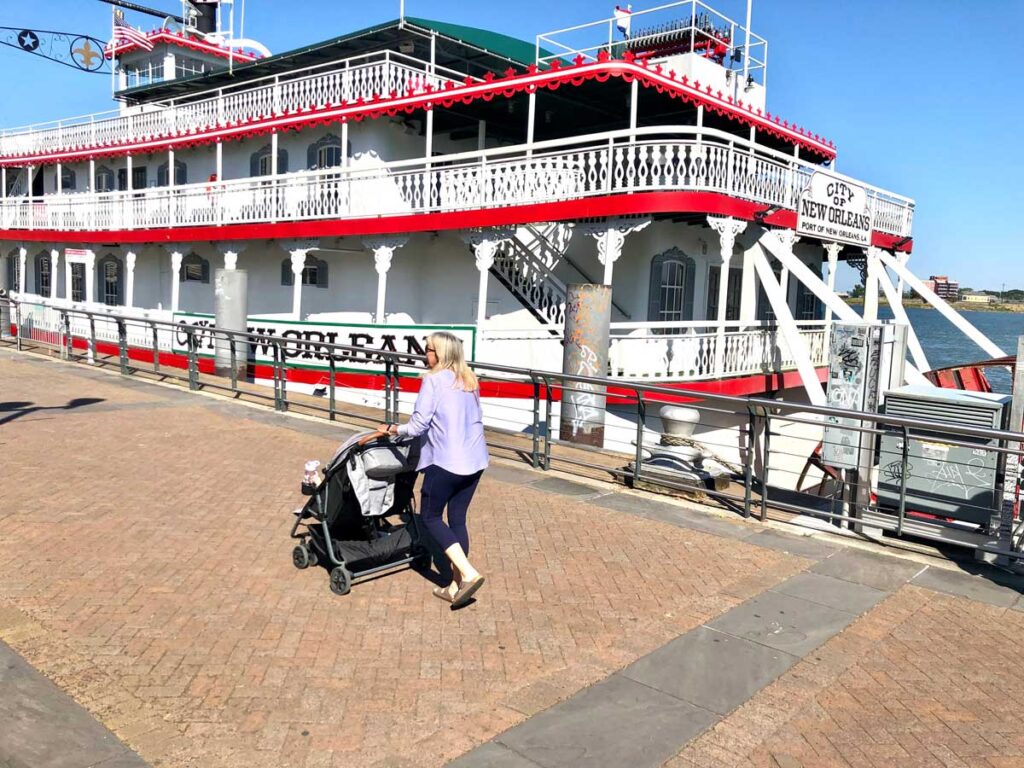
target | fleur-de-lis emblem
[{"x": 85, "y": 56}]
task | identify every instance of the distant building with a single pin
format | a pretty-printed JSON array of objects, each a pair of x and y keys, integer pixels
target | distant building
[
  {"x": 943, "y": 287},
  {"x": 978, "y": 298}
]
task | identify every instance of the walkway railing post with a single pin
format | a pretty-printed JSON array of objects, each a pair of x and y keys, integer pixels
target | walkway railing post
[
  {"x": 193, "y": 382},
  {"x": 331, "y": 394},
  {"x": 547, "y": 423},
  {"x": 92, "y": 339},
  {"x": 766, "y": 460},
  {"x": 122, "y": 344},
  {"x": 17, "y": 324},
  {"x": 387, "y": 390},
  {"x": 535, "y": 451},
  {"x": 233, "y": 343},
  {"x": 67, "y": 349},
  {"x": 904, "y": 458},
  {"x": 641, "y": 418},
  {"x": 156, "y": 350},
  {"x": 282, "y": 364},
  {"x": 748, "y": 464}
]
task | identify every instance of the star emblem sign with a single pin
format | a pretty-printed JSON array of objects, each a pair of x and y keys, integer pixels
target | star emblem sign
[{"x": 28, "y": 40}]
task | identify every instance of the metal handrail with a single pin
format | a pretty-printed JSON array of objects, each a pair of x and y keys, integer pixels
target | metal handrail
[{"x": 759, "y": 412}]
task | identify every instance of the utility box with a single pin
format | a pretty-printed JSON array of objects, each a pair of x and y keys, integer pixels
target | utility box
[{"x": 960, "y": 482}]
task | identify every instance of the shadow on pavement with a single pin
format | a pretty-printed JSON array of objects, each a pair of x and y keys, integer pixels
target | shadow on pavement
[{"x": 16, "y": 409}]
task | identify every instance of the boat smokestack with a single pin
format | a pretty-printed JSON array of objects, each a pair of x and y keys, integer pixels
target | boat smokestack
[{"x": 206, "y": 21}]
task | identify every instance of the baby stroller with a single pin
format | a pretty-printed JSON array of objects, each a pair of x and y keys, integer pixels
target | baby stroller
[{"x": 360, "y": 519}]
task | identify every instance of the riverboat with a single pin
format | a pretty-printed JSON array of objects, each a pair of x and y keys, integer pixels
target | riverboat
[{"x": 418, "y": 174}]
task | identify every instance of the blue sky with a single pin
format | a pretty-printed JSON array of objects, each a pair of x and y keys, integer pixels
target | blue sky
[{"x": 922, "y": 97}]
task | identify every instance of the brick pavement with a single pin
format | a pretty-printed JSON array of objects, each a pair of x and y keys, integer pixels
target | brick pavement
[
  {"x": 925, "y": 679},
  {"x": 145, "y": 568}
]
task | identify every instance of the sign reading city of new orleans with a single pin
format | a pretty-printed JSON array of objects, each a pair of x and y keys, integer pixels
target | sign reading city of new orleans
[
  {"x": 306, "y": 339},
  {"x": 834, "y": 209}
]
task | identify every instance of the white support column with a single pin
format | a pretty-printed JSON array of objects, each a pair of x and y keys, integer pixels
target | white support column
[
  {"x": 68, "y": 293},
  {"x": 29, "y": 178},
  {"x": 790, "y": 333},
  {"x": 273, "y": 154},
  {"x": 230, "y": 251},
  {"x": 129, "y": 262},
  {"x": 634, "y": 97},
  {"x": 481, "y": 135},
  {"x": 345, "y": 159},
  {"x": 531, "y": 122},
  {"x": 611, "y": 236},
  {"x": 298, "y": 264},
  {"x": 60, "y": 178},
  {"x": 170, "y": 169},
  {"x": 176, "y": 257},
  {"x": 92, "y": 176},
  {"x": 832, "y": 250},
  {"x": 129, "y": 182},
  {"x": 871, "y": 286},
  {"x": 484, "y": 252},
  {"x": 895, "y": 299},
  {"x": 728, "y": 229},
  {"x": 948, "y": 312},
  {"x": 788, "y": 238},
  {"x": 383, "y": 249},
  {"x": 22, "y": 261},
  {"x": 220, "y": 161},
  {"x": 3, "y": 183},
  {"x": 54, "y": 271},
  {"x": 90, "y": 276}
]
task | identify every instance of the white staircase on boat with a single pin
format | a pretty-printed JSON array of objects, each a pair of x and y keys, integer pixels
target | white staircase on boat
[{"x": 525, "y": 264}]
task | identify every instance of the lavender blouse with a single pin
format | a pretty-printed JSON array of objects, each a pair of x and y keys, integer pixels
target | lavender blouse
[{"x": 453, "y": 423}]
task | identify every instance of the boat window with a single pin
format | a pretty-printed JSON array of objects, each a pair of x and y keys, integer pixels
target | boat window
[
  {"x": 325, "y": 153},
  {"x": 732, "y": 293},
  {"x": 43, "y": 274},
  {"x": 195, "y": 269},
  {"x": 313, "y": 273},
  {"x": 260, "y": 163},
  {"x": 671, "y": 291},
  {"x": 14, "y": 271},
  {"x": 104, "y": 179},
  {"x": 78, "y": 281},
  {"x": 111, "y": 277},
  {"x": 180, "y": 174},
  {"x": 68, "y": 179},
  {"x": 139, "y": 178}
]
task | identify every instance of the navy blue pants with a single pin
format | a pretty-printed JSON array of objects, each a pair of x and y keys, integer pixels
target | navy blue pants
[{"x": 442, "y": 488}]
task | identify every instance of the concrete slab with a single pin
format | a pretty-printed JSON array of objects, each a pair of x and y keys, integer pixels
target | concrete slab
[
  {"x": 782, "y": 622},
  {"x": 969, "y": 586},
  {"x": 803, "y": 546},
  {"x": 835, "y": 593},
  {"x": 616, "y": 723},
  {"x": 878, "y": 571},
  {"x": 673, "y": 515},
  {"x": 566, "y": 487},
  {"x": 42, "y": 727},
  {"x": 511, "y": 475},
  {"x": 492, "y": 755},
  {"x": 710, "y": 669}
]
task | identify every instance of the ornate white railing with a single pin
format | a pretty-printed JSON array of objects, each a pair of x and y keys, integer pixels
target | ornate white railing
[
  {"x": 653, "y": 160},
  {"x": 316, "y": 87},
  {"x": 685, "y": 352}
]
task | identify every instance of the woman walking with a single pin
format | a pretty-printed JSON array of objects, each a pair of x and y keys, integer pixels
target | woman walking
[{"x": 453, "y": 456}]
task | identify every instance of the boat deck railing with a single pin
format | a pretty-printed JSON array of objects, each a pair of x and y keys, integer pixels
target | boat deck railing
[
  {"x": 690, "y": 26},
  {"x": 771, "y": 451},
  {"x": 656, "y": 159}
]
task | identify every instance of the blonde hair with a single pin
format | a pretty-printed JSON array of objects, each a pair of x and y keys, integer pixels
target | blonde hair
[{"x": 450, "y": 356}]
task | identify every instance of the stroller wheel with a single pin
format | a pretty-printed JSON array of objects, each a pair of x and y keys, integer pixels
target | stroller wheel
[
  {"x": 301, "y": 557},
  {"x": 341, "y": 581}
]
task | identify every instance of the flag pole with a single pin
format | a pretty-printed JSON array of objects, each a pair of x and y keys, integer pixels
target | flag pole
[
  {"x": 113, "y": 58},
  {"x": 746, "y": 44}
]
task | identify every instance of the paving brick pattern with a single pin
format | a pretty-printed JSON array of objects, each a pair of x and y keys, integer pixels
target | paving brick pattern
[
  {"x": 145, "y": 568},
  {"x": 925, "y": 679}
]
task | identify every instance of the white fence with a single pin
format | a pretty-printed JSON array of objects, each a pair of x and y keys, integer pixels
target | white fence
[
  {"x": 620, "y": 162},
  {"x": 325, "y": 85}
]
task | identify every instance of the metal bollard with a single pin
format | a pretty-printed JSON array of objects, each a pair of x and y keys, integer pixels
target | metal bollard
[
  {"x": 193, "y": 382},
  {"x": 122, "y": 345}
]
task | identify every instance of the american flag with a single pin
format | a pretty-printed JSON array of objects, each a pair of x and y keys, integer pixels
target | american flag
[{"x": 125, "y": 33}]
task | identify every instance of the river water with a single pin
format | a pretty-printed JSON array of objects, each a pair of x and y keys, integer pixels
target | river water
[{"x": 944, "y": 344}]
